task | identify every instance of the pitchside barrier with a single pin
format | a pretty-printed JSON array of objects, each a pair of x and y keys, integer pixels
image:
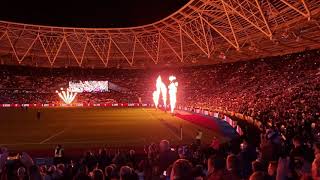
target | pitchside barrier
[
  {"x": 79, "y": 105},
  {"x": 205, "y": 112}
]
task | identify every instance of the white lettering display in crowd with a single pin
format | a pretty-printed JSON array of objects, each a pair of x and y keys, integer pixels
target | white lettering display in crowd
[{"x": 88, "y": 86}]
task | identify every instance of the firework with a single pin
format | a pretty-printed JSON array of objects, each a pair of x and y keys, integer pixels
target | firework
[{"x": 66, "y": 96}]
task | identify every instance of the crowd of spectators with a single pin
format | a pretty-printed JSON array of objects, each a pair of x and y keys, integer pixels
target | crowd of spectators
[
  {"x": 283, "y": 92},
  {"x": 285, "y": 89},
  {"x": 268, "y": 161},
  {"x": 27, "y": 85}
]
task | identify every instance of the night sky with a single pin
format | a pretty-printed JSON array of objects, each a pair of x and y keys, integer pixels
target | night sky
[{"x": 89, "y": 13}]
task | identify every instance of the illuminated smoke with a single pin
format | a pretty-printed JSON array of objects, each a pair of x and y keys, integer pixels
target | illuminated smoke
[
  {"x": 66, "y": 96},
  {"x": 172, "y": 92}
]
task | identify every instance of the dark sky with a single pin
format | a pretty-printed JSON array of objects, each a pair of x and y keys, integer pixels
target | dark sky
[{"x": 88, "y": 13}]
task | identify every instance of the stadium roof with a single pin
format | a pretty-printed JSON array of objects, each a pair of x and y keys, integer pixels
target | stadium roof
[{"x": 201, "y": 32}]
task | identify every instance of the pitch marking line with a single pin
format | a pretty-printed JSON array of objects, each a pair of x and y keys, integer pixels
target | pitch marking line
[
  {"x": 53, "y": 136},
  {"x": 175, "y": 135}
]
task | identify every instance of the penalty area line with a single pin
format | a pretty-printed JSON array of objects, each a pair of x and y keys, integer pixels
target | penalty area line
[
  {"x": 51, "y": 137},
  {"x": 171, "y": 131}
]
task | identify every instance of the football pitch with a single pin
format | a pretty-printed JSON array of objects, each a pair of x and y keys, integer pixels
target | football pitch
[{"x": 93, "y": 127}]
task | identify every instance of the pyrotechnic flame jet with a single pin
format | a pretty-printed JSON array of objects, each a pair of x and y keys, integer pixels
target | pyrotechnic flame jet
[
  {"x": 66, "y": 96},
  {"x": 164, "y": 94},
  {"x": 156, "y": 93},
  {"x": 161, "y": 89},
  {"x": 172, "y": 93},
  {"x": 158, "y": 84}
]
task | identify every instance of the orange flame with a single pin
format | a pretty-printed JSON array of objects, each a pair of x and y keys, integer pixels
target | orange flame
[
  {"x": 160, "y": 89},
  {"x": 156, "y": 93},
  {"x": 164, "y": 94},
  {"x": 172, "y": 93}
]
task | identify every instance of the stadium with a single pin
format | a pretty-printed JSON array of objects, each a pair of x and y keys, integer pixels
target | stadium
[{"x": 141, "y": 90}]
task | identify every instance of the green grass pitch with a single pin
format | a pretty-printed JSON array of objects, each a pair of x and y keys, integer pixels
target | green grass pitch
[{"x": 93, "y": 127}]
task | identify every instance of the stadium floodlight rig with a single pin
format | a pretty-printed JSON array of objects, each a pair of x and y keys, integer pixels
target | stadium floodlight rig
[
  {"x": 201, "y": 29},
  {"x": 67, "y": 96}
]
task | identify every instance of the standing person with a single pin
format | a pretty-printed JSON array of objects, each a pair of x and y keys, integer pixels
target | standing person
[
  {"x": 22, "y": 173},
  {"x": 215, "y": 144},
  {"x": 315, "y": 171},
  {"x": 247, "y": 154},
  {"x": 271, "y": 147},
  {"x": 216, "y": 169},
  {"x": 232, "y": 166},
  {"x": 181, "y": 170},
  {"x": 272, "y": 170},
  {"x": 38, "y": 115},
  {"x": 199, "y": 137},
  {"x": 58, "y": 154},
  {"x": 166, "y": 155}
]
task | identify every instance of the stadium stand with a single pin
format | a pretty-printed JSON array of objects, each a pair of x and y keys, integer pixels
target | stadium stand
[{"x": 269, "y": 89}]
